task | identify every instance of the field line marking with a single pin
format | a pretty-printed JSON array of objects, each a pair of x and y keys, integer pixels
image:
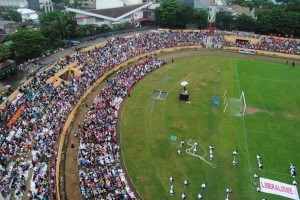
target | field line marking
[
  {"x": 245, "y": 132},
  {"x": 237, "y": 138},
  {"x": 267, "y": 79},
  {"x": 153, "y": 104},
  {"x": 190, "y": 142}
]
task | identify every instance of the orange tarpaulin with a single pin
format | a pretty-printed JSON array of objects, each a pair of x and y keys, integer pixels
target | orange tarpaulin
[{"x": 16, "y": 116}]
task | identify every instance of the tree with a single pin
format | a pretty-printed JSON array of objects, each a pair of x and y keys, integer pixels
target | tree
[
  {"x": 255, "y": 3},
  {"x": 90, "y": 29},
  {"x": 245, "y": 23},
  {"x": 278, "y": 21},
  {"x": 57, "y": 25},
  {"x": 166, "y": 14},
  {"x": 185, "y": 15},
  {"x": 4, "y": 53},
  {"x": 28, "y": 43},
  {"x": 200, "y": 18},
  {"x": 224, "y": 20},
  {"x": 13, "y": 15},
  {"x": 292, "y": 7}
]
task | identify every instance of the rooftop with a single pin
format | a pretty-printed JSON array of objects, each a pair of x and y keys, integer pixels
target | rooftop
[
  {"x": 3, "y": 23},
  {"x": 5, "y": 63},
  {"x": 25, "y": 11},
  {"x": 116, "y": 12},
  {"x": 206, "y": 3},
  {"x": 240, "y": 10}
]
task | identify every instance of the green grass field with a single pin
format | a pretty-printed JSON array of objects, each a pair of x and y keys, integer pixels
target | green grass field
[{"x": 272, "y": 90}]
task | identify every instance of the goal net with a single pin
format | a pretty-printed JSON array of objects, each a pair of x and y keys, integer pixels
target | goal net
[{"x": 235, "y": 107}]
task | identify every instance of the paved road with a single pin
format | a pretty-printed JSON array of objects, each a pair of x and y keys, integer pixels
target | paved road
[{"x": 19, "y": 78}]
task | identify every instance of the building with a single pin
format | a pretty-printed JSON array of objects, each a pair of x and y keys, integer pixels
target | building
[
  {"x": 31, "y": 4},
  {"x": 2, "y": 25},
  {"x": 205, "y": 4},
  {"x": 7, "y": 68},
  {"x": 103, "y": 4},
  {"x": 135, "y": 14},
  {"x": 188, "y": 2},
  {"x": 238, "y": 10},
  {"x": 28, "y": 14},
  {"x": 100, "y": 4},
  {"x": 48, "y": 6},
  {"x": 11, "y": 27},
  {"x": 34, "y": 4},
  {"x": 13, "y": 3}
]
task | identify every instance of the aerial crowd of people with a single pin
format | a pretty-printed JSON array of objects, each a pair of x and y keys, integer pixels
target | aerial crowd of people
[
  {"x": 30, "y": 125},
  {"x": 100, "y": 174},
  {"x": 33, "y": 137},
  {"x": 269, "y": 43}
]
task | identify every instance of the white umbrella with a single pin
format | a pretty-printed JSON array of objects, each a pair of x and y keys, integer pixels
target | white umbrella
[{"x": 184, "y": 83}]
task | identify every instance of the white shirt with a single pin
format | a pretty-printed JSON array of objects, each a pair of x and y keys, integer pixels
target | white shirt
[
  {"x": 179, "y": 151},
  {"x": 295, "y": 182},
  {"x": 199, "y": 196},
  {"x": 171, "y": 192},
  {"x": 228, "y": 190},
  {"x": 234, "y": 162}
]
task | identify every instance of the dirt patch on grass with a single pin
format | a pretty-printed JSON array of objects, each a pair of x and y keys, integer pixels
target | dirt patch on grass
[
  {"x": 251, "y": 110},
  {"x": 291, "y": 115}
]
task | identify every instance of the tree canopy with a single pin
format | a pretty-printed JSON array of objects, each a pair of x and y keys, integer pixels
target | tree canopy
[
  {"x": 166, "y": 14},
  {"x": 28, "y": 43},
  {"x": 273, "y": 18},
  {"x": 278, "y": 20},
  {"x": 57, "y": 25},
  {"x": 4, "y": 53},
  {"x": 171, "y": 14},
  {"x": 224, "y": 20},
  {"x": 245, "y": 23},
  {"x": 13, "y": 15}
]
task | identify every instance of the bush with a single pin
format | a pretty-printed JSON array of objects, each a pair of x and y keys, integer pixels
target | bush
[{"x": 4, "y": 53}]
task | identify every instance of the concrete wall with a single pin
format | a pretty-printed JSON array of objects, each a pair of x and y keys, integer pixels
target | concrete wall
[
  {"x": 103, "y": 4},
  {"x": 13, "y": 3},
  {"x": 132, "y": 2},
  {"x": 138, "y": 15}
]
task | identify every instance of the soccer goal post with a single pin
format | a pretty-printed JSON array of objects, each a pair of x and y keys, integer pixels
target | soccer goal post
[{"x": 233, "y": 106}]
